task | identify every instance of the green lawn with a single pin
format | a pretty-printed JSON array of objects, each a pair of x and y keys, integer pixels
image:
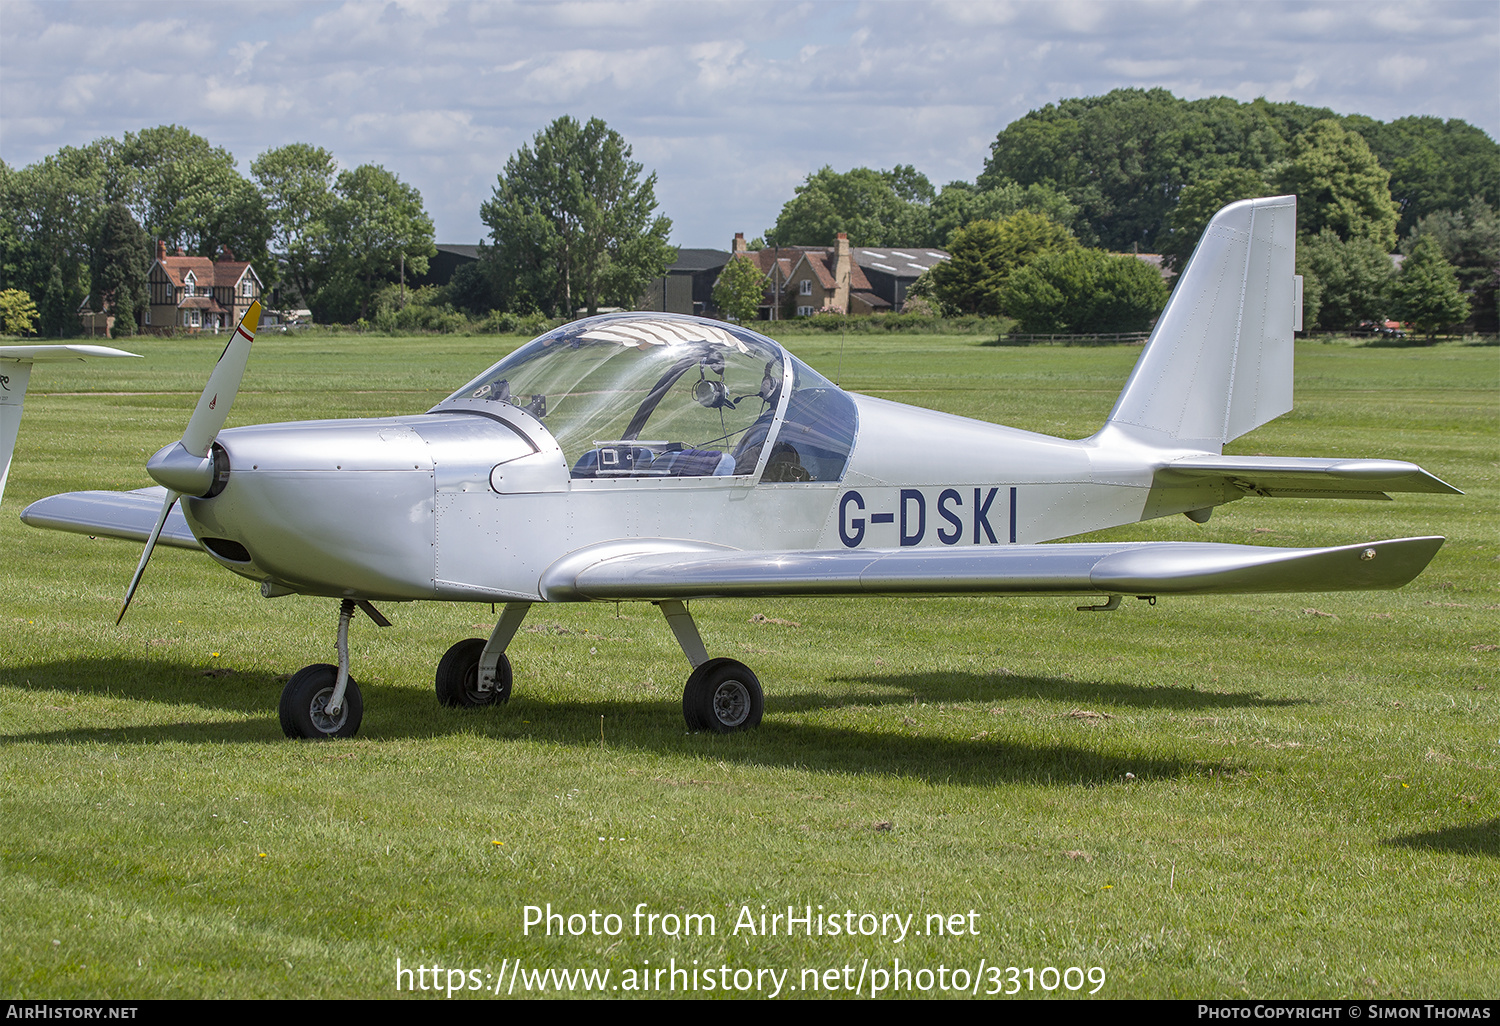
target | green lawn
[{"x": 1289, "y": 796}]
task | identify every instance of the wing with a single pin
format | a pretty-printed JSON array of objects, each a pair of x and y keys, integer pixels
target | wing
[
  {"x": 655, "y": 571},
  {"x": 128, "y": 515},
  {"x": 58, "y": 353}
]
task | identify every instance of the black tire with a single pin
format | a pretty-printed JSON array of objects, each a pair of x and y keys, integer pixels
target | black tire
[
  {"x": 458, "y": 677},
  {"x": 723, "y": 696},
  {"x": 305, "y": 699}
]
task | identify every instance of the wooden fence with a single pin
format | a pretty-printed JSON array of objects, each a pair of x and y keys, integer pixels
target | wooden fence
[{"x": 1097, "y": 339}]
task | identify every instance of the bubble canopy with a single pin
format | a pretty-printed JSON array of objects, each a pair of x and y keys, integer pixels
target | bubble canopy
[{"x": 657, "y": 395}]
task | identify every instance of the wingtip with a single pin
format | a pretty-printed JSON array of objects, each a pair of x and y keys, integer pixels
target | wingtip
[{"x": 251, "y": 321}]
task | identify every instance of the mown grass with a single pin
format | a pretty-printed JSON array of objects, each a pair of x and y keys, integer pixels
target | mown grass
[{"x": 1239, "y": 796}]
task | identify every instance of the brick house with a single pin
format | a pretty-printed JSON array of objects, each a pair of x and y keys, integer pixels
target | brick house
[
  {"x": 840, "y": 278},
  {"x": 191, "y": 293}
]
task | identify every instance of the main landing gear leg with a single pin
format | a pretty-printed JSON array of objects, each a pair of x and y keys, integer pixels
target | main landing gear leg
[
  {"x": 722, "y": 695},
  {"x": 322, "y": 701},
  {"x": 476, "y": 673}
]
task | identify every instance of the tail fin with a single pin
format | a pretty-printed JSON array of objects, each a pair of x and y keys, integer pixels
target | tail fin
[
  {"x": 1220, "y": 360},
  {"x": 15, "y": 374}
]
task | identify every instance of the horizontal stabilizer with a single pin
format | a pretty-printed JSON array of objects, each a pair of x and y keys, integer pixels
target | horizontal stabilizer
[
  {"x": 127, "y": 515},
  {"x": 1293, "y": 477},
  {"x": 1126, "y": 568}
]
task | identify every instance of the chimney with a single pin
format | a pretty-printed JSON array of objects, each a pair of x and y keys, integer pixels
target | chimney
[
  {"x": 228, "y": 253},
  {"x": 181, "y": 251},
  {"x": 739, "y": 243},
  {"x": 161, "y": 249},
  {"x": 842, "y": 269}
]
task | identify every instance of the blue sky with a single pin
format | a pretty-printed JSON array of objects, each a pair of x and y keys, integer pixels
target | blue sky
[{"x": 732, "y": 105}]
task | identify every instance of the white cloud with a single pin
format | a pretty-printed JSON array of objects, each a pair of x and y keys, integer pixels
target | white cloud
[{"x": 731, "y": 104}]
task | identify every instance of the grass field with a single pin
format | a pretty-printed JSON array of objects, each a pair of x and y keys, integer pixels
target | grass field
[{"x": 1267, "y": 796}]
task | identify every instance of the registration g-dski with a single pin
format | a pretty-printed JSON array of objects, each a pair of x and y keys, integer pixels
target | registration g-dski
[{"x": 665, "y": 458}]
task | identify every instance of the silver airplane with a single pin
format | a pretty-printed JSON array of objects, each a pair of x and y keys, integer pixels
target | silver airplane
[{"x": 661, "y": 458}]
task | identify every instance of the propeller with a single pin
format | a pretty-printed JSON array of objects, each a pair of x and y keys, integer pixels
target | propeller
[{"x": 186, "y": 467}]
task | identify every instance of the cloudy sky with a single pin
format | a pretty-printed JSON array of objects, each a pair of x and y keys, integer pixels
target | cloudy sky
[{"x": 731, "y": 104}]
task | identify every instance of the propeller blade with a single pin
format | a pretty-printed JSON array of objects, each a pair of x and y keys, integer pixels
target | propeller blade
[
  {"x": 223, "y": 385},
  {"x": 203, "y": 426},
  {"x": 145, "y": 556}
]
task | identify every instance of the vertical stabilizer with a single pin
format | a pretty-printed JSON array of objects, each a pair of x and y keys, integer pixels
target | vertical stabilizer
[
  {"x": 1219, "y": 362},
  {"x": 15, "y": 375}
]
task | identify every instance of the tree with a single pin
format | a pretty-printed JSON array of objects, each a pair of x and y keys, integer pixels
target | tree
[
  {"x": 1121, "y": 158},
  {"x": 188, "y": 193},
  {"x": 120, "y": 268},
  {"x": 1124, "y": 158},
  {"x": 983, "y": 255},
  {"x": 1435, "y": 165},
  {"x": 58, "y": 306},
  {"x": 960, "y": 204},
  {"x": 740, "y": 290},
  {"x": 17, "y": 312},
  {"x": 1350, "y": 281},
  {"x": 1425, "y": 294},
  {"x": 874, "y": 208},
  {"x": 1199, "y": 202},
  {"x": 1083, "y": 291},
  {"x": 377, "y": 229},
  {"x": 573, "y": 224},
  {"x": 1339, "y": 185},
  {"x": 1470, "y": 241},
  {"x": 296, "y": 182},
  {"x": 51, "y": 210}
]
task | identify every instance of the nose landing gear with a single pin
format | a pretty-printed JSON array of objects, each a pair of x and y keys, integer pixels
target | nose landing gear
[{"x": 322, "y": 701}]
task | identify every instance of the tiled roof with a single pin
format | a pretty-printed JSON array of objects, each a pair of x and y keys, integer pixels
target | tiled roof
[
  {"x": 177, "y": 268},
  {"x": 201, "y": 303},
  {"x": 206, "y": 273}
]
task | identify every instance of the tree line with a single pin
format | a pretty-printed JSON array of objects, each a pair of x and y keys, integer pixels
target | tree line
[
  {"x": 81, "y": 224},
  {"x": 1143, "y": 171},
  {"x": 573, "y": 224}
]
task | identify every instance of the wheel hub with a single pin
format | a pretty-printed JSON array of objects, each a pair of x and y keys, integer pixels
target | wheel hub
[
  {"x": 732, "y": 703},
  {"x": 319, "y": 712}
]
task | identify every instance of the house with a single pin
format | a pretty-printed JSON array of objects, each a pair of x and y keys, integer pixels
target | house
[
  {"x": 96, "y": 323},
  {"x": 190, "y": 293},
  {"x": 804, "y": 280}
]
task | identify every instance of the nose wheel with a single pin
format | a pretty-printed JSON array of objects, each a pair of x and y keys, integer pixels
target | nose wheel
[
  {"x": 322, "y": 701},
  {"x": 306, "y": 710}
]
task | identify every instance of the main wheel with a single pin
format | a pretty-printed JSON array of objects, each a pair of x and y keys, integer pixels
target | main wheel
[
  {"x": 304, "y": 705},
  {"x": 723, "y": 696},
  {"x": 458, "y": 677}
]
